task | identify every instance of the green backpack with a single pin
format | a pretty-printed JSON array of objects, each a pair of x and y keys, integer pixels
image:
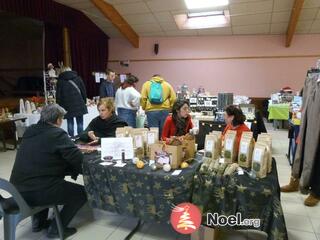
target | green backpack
[{"x": 155, "y": 95}]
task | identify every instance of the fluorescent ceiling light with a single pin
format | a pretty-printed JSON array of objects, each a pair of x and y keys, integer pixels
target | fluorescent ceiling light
[
  {"x": 205, "y": 14},
  {"x": 202, "y": 22},
  {"x": 200, "y": 4}
]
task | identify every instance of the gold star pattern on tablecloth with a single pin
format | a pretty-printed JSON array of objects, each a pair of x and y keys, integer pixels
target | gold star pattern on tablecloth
[
  {"x": 139, "y": 184},
  {"x": 125, "y": 188},
  {"x": 110, "y": 200},
  {"x": 130, "y": 207},
  {"x": 157, "y": 186},
  {"x": 241, "y": 188},
  {"x": 149, "y": 197},
  {"x": 266, "y": 192},
  {"x": 152, "y": 209},
  {"x": 113, "y": 178}
]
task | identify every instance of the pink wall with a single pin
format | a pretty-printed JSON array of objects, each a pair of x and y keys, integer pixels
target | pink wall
[{"x": 248, "y": 65}]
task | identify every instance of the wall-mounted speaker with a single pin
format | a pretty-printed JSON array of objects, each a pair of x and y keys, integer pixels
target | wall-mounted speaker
[{"x": 156, "y": 49}]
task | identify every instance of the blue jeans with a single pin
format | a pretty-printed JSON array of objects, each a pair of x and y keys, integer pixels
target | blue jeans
[
  {"x": 70, "y": 123},
  {"x": 128, "y": 115},
  {"x": 157, "y": 119}
]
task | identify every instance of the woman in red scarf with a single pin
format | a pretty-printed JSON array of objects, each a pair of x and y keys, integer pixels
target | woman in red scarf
[{"x": 180, "y": 122}]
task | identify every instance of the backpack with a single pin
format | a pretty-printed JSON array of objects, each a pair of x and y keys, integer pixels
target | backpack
[{"x": 155, "y": 95}]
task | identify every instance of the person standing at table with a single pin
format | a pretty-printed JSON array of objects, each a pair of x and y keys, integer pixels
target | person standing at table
[
  {"x": 105, "y": 124},
  {"x": 157, "y": 98},
  {"x": 107, "y": 88},
  {"x": 235, "y": 119},
  {"x": 45, "y": 156},
  {"x": 128, "y": 101},
  {"x": 180, "y": 122},
  {"x": 72, "y": 96}
]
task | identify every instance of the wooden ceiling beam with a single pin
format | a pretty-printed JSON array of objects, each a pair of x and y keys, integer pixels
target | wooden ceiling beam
[
  {"x": 295, "y": 14},
  {"x": 118, "y": 21}
]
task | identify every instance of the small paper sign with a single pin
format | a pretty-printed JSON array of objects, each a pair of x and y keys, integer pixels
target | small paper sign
[
  {"x": 115, "y": 146},
  {"x": 176, "y": 172},
  {"x": 106, "y": 163},
  {"x": 240, "y": 171}
]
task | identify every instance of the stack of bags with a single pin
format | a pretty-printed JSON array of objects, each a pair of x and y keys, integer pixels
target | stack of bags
[
  {"x": 256, "y": 156},
  {"x": 142, "y": 139}
]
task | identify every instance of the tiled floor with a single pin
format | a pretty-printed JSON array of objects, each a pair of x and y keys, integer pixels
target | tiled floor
[{"x": 303, "y": 223}]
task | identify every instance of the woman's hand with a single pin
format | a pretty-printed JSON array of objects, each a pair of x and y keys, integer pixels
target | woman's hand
[{"x": 92, "y": 136}]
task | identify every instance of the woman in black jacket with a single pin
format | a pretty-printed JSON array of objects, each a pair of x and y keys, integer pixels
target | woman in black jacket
[
  {"x": 105, "y": 124},
  {"x": 71, "y": 95}
]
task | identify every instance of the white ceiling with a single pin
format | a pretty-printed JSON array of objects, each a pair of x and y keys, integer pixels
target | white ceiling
[{"x": 153, "y": 18}]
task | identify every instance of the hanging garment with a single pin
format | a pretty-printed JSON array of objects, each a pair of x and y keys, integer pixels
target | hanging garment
[{"x": 310, "y": 134}]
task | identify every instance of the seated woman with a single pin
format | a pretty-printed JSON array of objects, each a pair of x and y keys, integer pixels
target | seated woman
[
  {"x": 235, "y": 119},
  {"x": 180, "y": 122},
  {"x": 105, "y": 124}
]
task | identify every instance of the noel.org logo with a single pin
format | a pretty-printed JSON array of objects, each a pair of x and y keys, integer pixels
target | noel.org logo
[{"x": 185, "y": 218}]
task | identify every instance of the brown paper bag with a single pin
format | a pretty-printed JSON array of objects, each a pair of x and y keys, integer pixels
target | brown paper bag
[
  {"x": 156, "y": 131},
  {"x": 245, "y": 151},
  {"x": 260, "y": 160},
  {"x": 160, "y": 152},
  {"x": 138, "y": 145},
  {"x": 212, "y": 147},
  {"x": 124, "y": 132},
  {"x": 230, "y": 153},
  {"x": 189, "y": 149}
]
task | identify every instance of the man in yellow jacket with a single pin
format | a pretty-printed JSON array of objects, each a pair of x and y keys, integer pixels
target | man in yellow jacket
[{"x": 157, "y": 108}]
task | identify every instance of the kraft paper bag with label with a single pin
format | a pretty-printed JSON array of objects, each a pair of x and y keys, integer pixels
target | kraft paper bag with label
[
  {"x": 189, "y": 149},
  {"x": 138, "y": 145},
  {"x": 173, "y": 152},
  {"x": 230, "y": 153},
  {"x": 212, "y": 147},
  {"x": 267, "y": 139},
  {"x": 156, "y": 131},
  {"x": 260, "y": 160},
  {"x": 245, "y": 151},
  {"x": 269, "y": 154},
  {"x": 124, "y": 132},
  {"x": 144, "y": 133}
]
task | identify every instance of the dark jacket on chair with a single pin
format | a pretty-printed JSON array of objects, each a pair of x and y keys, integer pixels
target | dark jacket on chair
[
  {"x": 45, "y": 156},
  {"x": 71, "y": 98}
]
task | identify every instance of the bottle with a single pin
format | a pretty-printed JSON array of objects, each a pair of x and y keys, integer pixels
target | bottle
[{"x": 123, "y": 157}]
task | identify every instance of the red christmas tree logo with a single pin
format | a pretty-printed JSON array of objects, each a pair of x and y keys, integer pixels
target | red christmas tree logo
[{"x": 185, "y": 218}]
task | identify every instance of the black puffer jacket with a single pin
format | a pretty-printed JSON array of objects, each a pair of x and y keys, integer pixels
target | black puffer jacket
[{"x": 72, "y": 99}]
